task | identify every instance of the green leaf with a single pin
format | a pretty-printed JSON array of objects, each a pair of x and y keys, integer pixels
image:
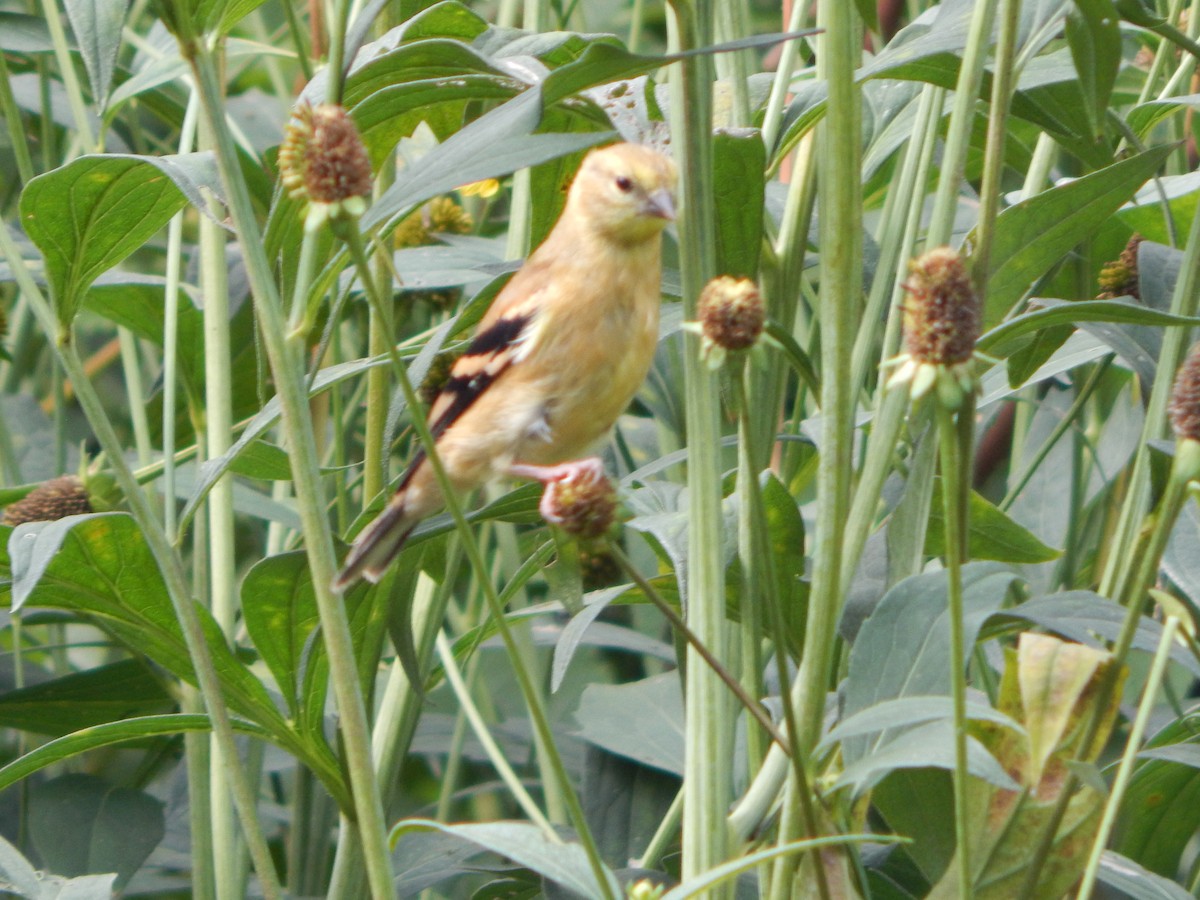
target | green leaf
[
  {"x": 280, "y": 612},
  {"x": 528, "y": 846},
  {"x": 1082, "y": 615},
  {"x": 264, "y": 461},
  {"x": 90, "y": 214},
  {"x": 1168, "y": 197},
  {"x": 1052, "y": 312},
  {"x": 20, "y": 33},
  {"x": 495, "y": 144},
  {"x": 448, "y": 19},
  {"x": 1181, "y": 561},
  {"x": 739, "y": 188},
  {"x": 16, "y": 871},
  {"x": 785, "y": 531},
  {"x": 81, "y": 824},
  {"x": 904, "y": 712},
  {"x": 1143, "y": 117},
  {"x": 991, "y": 534},
  {"x": 218, "y": 17},
  {"x": 108, "y": 693},
  {"x": 1128, "y": 879},
  {"x": 100, "y": 568},
  {"x": 624, "y": 803},
  {"x": 110, "y": 735},
  {"x": 1094, "y": 36},
  {"x": 924, "y": 747},
  {"x": 97, "y": 26},
  {"x": 1160, "y": 811},
  {"x": 289, "y": 578},
  {"x": 902, "y": 649},
  {"x": 641, "y": 720},
  {"x": 1037, "y": 233}
]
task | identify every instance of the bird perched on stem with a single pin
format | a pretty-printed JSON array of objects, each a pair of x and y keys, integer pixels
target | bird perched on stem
[{"x": 557, "y": 357}]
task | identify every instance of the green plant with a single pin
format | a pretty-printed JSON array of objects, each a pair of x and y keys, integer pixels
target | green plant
[{"x": 869, "y": 624}]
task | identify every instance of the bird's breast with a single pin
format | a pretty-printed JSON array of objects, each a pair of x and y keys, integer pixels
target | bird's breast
[{"x": 593, "y": 380}]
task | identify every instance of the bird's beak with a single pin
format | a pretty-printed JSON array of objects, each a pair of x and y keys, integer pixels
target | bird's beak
[{"x": 660, "y": 205}]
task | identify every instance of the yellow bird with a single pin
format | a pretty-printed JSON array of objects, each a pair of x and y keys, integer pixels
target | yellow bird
[{"x": 557, "y": 357}]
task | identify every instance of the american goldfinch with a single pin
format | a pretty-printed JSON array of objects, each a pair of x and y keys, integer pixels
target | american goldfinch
[{"x": 557, "y": 357}]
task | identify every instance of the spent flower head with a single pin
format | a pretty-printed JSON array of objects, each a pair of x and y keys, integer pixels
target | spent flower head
[
  {"x": 731, "y": 318},
  {"x": 584, "y": 506},
  {"x": 941, "y": 325},
  {"x": 1185, "y": 415},
  {"x": 322, "y": 159},
  {"x": 49, "y": 501},
  {"x": 1119, "y": 278}
]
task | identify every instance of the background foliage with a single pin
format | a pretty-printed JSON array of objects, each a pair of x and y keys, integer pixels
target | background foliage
[{"x": 189, "y": 711}]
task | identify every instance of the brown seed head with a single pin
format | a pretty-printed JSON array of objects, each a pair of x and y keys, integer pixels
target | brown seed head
[
  {"x": 585, "y": 506},
  {"x": 322, "y": 156},
  {"x": 731, "y": 312},
  {"x": 1185, "y": 398},
  {"x": 54, "y": 499},
  {"x": 941, "y": 313},
  {"x": 1119, "y": 278}
]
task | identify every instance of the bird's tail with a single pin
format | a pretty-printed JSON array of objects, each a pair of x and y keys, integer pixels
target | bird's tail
[{"x": 377, "y": 544}]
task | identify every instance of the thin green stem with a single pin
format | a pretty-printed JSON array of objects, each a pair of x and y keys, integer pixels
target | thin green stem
[
  {"x": 529, "y": 691},
  {"x": 168, "y": 562},
  {"x": 217, "y": 434},
  {"x": 1065, "y": 424},
  {"x": 954, "y": 461},
  {"x": 962, "y": 120},
  {"x": 16, "y": 128},
  {"x": 709, "y": 714},
  {"x": 66, "y": 70},
  {"x": 1003, "y": 87},
  {"x": 287, "y": 364},
  {"x": 752, "y": 706},
  {"x": 1125, "y": 769},
  {"x": 839, "y": 145},
  {"x": 1145, "y": 557},
  {"x": 490, "y": 747},
  {"x": 781, "y": 84}
]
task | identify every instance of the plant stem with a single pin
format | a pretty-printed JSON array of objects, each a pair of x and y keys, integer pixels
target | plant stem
[
  {"x": 168, "y": 562},
  {"x": 708, "y": 787},
  {"x": 288, "y": 368},
  {"x": 533, "y": 699},
  {"x": 962, "y": 120},
  {"x": 1132, "y": 744},
  {"x": 222, "y": 563},
  {"x": 490, "y": 747},
  {"x": 752, "y": 706},
  {"x": 955, "y": 456}
]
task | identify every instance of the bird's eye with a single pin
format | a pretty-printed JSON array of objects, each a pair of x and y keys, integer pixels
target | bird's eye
[{"x": 624, "y": 184}]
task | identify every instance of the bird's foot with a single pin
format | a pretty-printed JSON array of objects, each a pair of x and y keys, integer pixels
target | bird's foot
[{"x": 579, "y": 470}]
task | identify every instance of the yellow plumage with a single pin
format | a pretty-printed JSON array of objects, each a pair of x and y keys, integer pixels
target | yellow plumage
[{"x": 559, "y": 354}]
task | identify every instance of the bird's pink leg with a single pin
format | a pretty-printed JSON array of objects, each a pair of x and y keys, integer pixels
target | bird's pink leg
[{"x": 588, "y": 469}]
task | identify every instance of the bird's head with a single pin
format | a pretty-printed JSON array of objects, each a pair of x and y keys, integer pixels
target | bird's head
[{"x": 626, "y": 191}]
